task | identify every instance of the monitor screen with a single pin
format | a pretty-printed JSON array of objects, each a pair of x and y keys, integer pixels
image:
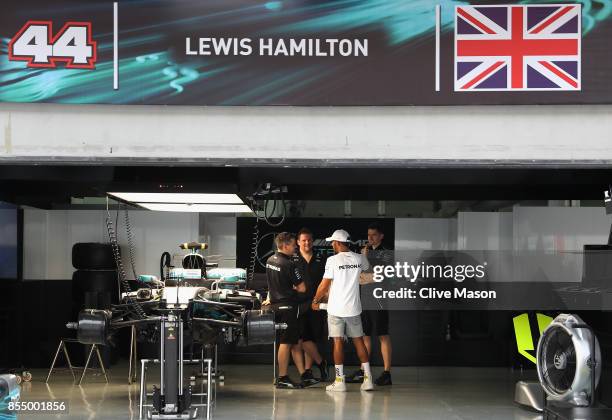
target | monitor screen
[{"x": 8, "y": 241}]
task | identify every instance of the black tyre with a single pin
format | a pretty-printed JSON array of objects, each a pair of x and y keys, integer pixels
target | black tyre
[
  {"x": 93, "y": 256},
  {"x": 94, "y": 281}
]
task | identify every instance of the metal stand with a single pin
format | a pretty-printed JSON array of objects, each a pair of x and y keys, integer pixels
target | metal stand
[
  {"x": 143, "y": 388},
  {"x": 217, "y": 375},
  {"x": 217, "y": 363},
  {"x": 93, "y": 347},
  {"x": 208, "y": 394},
  {"x": 275, "y": 357},
  {"x": 172, "y": 400},
  {"x": 62, "y": 346},
  {"x": 132, "y": 373}
]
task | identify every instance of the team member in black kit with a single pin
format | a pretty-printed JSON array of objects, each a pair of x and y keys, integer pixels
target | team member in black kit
[
  {"x": 312, "y": 323},
  {"x": 376, "y": 322},
  {"x": 284, "y": 282}
]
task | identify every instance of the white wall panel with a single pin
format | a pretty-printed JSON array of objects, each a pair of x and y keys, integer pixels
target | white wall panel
[
  {"x": 34, "y": 244},
  {"x": 50, "y": 234},
  {"x": 156, "y": 232},
  {"x": 69, "y": 132},
  {"x": 219, "y": 232},
  {"x": 453, "y": 232},
  {"x": 555, "y": 236},
  {"x": 484, "y": 231},
  {"x": 559, "y": 228},
  {"x": 57, "y": 249},
  {"x": 423, "y": 234},
  {"x": 85, "y": 225},
  {"x": 560, "y": 231}
]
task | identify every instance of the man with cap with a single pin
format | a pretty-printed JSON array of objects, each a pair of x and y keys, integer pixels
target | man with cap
[
  {"x": 343, "y": 273},
  {"x": 284, "y": 281}
]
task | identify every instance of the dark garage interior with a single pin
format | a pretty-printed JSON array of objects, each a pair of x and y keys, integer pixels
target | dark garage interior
[{"x": 35, "y": 311}]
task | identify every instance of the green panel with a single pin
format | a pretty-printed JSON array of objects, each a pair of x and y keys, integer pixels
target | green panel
[
  {"x": 524, "y": 341},
  {"x": 543, "y": 322}
]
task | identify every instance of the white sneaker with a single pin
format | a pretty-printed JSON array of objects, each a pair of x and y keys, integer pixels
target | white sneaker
[
  {"x": 337, "y": 386},
  {"x": 367, "y": 384}
]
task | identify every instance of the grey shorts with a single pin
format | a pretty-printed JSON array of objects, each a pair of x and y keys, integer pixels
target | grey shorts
[{"x": 344, "y": 326}]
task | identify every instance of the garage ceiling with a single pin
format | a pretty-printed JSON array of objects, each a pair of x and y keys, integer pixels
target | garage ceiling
[{"x": 48, "y": 186}]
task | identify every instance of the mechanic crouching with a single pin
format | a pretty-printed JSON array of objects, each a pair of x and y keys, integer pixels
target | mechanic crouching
[{"x": 284, "y": 282}]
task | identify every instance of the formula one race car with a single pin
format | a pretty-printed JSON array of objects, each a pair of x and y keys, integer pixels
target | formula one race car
[{"x": 170, "y": 311}]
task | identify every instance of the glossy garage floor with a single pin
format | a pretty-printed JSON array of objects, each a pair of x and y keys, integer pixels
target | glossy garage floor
[{"x": 247, "y": 393}]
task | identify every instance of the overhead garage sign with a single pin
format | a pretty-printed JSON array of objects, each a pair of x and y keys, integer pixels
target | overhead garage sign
[{"x": 301, "y": 52}]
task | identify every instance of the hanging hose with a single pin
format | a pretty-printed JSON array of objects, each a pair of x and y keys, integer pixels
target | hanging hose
[
  {"x": 267, "y": 217},
  {"x": 130, "y": 240},
  {"x": 125, "y": 285},
  {"x": 253, "y": 257}
]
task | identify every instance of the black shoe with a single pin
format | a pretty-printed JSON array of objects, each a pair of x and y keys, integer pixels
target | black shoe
[
  {"x": 384, "y": 379},
  {"x": 285, "y": 382},
  {"x": 355, "y": 377},
  {"x": 308, "y": 379},
  {"x": 324, "y": 368}
]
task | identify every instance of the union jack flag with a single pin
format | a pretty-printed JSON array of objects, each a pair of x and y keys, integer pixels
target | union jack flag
[{"x": 517, "y": 48}]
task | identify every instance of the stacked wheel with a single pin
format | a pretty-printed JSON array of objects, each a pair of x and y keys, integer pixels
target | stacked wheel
[
  {"x": 93, "y": 256},
  {"x": 94, "y": 284}
]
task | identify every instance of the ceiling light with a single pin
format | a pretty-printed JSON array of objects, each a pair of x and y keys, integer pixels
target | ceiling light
[
  {"x": 197, "y": 208},
  {"x": 138, "y": 197}
]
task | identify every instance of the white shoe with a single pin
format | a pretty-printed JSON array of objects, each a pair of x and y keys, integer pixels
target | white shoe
[
  {"x": 367, "y": 384},
  {"x": 338, "y": 386}
]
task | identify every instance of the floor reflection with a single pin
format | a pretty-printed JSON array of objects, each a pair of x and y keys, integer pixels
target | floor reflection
[{"x": 419, "y": 393}]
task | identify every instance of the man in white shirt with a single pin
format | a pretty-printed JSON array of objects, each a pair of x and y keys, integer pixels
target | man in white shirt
[{"x": 343, "y": 273}]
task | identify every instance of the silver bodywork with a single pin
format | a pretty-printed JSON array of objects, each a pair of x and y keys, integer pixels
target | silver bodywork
[{"x": 529, "y": 394}]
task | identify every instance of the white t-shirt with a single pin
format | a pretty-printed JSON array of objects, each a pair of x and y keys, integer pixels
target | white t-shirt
[{"x": 343, "y": 269}]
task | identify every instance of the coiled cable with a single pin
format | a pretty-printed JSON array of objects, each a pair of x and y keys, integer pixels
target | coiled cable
[
  {"x": 265, "y": 216},
  {"x": 253, "y": 256},
  {"x": 112, "y": 236},
  {"x": 130, "y": 240}
]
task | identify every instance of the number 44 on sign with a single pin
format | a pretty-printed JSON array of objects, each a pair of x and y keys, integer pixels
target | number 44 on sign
[{"x": 72, "y": 45}]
